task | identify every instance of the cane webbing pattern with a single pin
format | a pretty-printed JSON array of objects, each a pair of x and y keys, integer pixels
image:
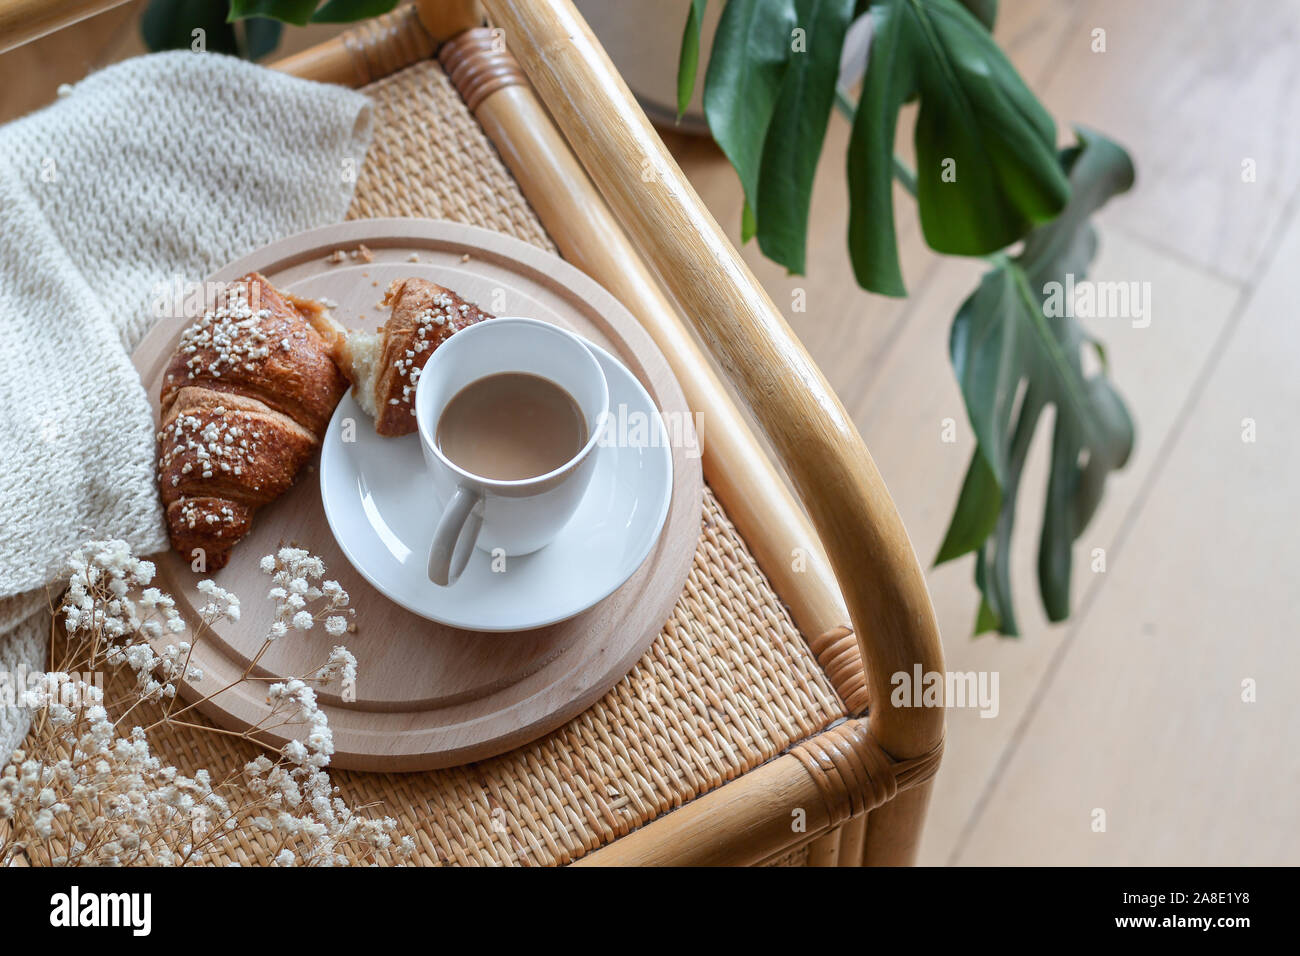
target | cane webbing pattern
[
  {"x": 727, "y": 685},
  {"x": 430, "y": 158}
]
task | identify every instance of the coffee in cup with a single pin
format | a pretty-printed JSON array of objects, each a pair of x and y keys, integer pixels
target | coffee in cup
[
  {"x": 509, "y": 413},
  {"x": 511, "y": 426}
]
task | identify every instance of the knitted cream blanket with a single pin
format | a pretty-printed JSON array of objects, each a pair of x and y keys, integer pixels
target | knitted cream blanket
[{"x": 150, "y": 173}]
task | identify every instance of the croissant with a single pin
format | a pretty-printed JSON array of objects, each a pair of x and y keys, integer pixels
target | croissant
[
  {"x": 384, "y": 367},
  {"x": 245, "y": 400}
]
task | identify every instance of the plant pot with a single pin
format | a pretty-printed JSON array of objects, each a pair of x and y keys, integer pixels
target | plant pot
[{"x": 644, "y": 40}]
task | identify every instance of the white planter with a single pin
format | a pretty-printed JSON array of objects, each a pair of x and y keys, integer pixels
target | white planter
[{"x": 644, "y": 39}]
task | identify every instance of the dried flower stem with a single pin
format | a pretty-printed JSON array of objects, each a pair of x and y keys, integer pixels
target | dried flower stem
[{"x": 87, "y": 788}]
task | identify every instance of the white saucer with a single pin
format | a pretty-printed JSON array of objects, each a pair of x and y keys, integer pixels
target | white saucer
[{"x": 380, "y": 507}]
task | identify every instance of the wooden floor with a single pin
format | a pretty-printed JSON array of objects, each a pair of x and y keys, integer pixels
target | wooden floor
[{"x": 1135, "y": 707}]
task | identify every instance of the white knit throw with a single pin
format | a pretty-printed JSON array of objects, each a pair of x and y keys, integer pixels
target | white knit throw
[{"x": 158, "y": 169}]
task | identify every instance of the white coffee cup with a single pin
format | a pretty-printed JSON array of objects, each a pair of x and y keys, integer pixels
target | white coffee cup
[{"x": 517, "y": 517}]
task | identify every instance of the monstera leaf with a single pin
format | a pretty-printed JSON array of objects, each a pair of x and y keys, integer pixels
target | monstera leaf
[
  {"x": 798, "y": 128},
  {"x": 985, "y": 147},
  {"x": 987, "y": 162},
  {"x": 768, "y": 95},
  {"x": 988, "y": 175},
  {"x": 688, "y": 63},
  {"x": 750, "y": 52},
  {"x": 1012, "y": 360},
  {"x": 174, "y": 24},
  {"x": 985, "y": 11}
]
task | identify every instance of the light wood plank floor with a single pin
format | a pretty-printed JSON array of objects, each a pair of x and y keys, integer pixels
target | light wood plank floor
[{"x": 1135, "y": 707}]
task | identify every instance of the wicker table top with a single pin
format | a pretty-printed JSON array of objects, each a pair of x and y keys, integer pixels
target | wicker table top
[{"x": 729, "y": 683}]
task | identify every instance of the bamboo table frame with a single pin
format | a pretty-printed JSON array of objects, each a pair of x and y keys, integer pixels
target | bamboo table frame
[{"x": 618, "y": 207}]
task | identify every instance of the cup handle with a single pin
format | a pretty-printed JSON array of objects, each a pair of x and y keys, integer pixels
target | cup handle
[{"x": 453, "y": 539}]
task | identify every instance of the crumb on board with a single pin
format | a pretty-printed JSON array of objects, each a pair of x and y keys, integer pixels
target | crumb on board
[
  {"x": 465, "y": 257},
  {"x": 413, "y": 257},
  {"x": 360, "y": 254},
  {"x": 375, "y": 283}
]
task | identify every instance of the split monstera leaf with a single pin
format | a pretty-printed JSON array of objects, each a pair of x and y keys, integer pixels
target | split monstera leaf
[
  {"x": 1012, "y": 360},
  {"x": 988, "y": 176}
]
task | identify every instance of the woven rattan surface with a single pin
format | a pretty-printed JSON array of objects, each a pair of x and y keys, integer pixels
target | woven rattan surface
[
  {"x": 796, "y": 857},
  {"x": 728, "y": 684},
  {"x": 430, "y": 158}
]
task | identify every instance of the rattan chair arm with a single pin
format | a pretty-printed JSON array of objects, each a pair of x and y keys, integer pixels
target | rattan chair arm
[
  {"x": 823, "y": 783},
  {"x": 825, "y": 457}
]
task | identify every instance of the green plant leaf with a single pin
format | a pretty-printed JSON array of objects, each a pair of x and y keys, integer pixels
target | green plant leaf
[
  {"x": 797, "y": 130},
  {"x": 297, "y": 12},
  {"x": 985, "y": 11},
  {"x": 261, "y": 37},
  {"x": 748, "y": 224},
  {"x": 1099, "y": 169},
  {"x": 1013, "y": 357},
  {"x": 170, "y": 25},
  {"x": 348, "y": 11},
  {"x": 987, "y": 170},
  {"x": 746, "y": 65},
  {"x": 976, "y": 514},
  {"x": 993, "y": 565},
  {"x": 688, "y": 62}
]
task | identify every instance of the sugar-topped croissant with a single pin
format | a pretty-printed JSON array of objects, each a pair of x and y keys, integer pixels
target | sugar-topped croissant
[
  {"x": 384, "y": 367},
  {"x": 245, "y": 400}
]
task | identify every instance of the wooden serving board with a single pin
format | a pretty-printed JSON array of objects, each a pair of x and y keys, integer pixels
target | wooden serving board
[{"x": 427, "y": 695}]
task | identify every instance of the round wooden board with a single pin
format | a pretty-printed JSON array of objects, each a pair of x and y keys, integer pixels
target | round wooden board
[{"x": 427, "y": 695}]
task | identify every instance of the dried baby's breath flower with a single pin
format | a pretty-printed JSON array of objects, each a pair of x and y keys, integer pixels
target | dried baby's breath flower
[
  {"x": 293, "y": 574},
  {"x": 88, "y": 789},
  {"x": 221, "y": 603},
  {"x": 340, "y": 666}
]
